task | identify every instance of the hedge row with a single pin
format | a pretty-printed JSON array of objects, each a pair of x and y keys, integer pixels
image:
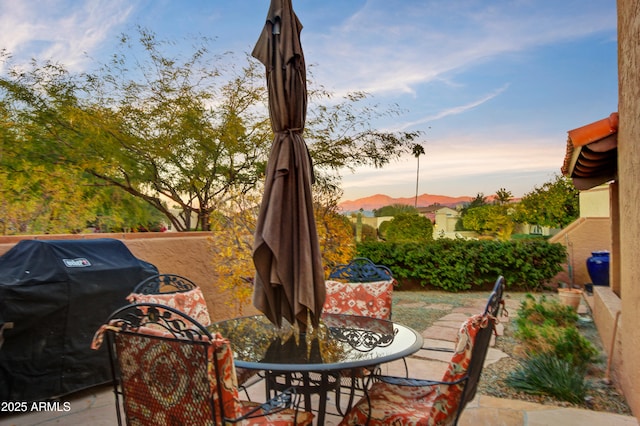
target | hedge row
[{"x": 455, "y": 265}]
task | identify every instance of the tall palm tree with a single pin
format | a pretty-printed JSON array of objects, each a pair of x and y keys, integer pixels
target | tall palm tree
[{"x": 417, "y": 151}]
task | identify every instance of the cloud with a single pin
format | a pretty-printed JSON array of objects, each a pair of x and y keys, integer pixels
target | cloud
[
  {"x": 455, "y": 110},
  {"x": 391, "y": 46},
  {"x": 62, "y": 31}
]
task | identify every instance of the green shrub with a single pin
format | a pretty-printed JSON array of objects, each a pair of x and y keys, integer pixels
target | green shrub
[
  {"x": 547, "y": 326},
  {"x": 368, "y": 233},
  {"x": 546, "y": 374},
  {"x": 565, "y": 343},
  {"x": 546, "y": 310},
  {"x": 409, "y": 227},
  {"x": 574, "y": 348},
  {"x": 459, "y": 264}
]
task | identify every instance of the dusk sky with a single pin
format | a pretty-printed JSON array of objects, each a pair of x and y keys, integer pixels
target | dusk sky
[{"x": 494, "y": 84}]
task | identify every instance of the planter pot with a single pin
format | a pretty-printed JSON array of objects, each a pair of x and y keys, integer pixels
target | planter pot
[
  {"x": 570, "y": 297},
  {"x": 598, "y": 267}
]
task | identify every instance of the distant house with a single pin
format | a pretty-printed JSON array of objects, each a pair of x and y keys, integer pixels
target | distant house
[
  {"x": 430, "y": 212},
  {"x": 443, "y": 218},
  {"x": 444, "y": 221}
]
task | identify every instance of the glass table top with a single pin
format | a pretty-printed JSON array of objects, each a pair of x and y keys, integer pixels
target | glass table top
[{"x": 341, "y": 341}]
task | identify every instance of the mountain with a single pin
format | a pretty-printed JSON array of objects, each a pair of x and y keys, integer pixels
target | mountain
[{"x": 381, "y": 200}]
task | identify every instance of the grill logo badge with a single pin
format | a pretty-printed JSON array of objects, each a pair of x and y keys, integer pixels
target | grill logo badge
[{"x": 80, "y": 262}]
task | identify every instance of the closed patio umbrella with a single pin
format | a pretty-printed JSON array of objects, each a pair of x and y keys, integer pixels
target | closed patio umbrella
[{"x": 289, "y": 280}]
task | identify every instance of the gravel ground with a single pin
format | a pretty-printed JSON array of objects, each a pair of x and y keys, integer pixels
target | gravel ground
[
  {"x": 600, "y": 397},
  {"x": 419, "y": 310}
]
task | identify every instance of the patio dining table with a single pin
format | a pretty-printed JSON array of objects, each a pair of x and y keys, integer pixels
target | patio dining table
[{"x": 313, "y": 362}]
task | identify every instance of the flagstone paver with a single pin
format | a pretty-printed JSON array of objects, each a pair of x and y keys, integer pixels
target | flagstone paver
[
  {"x": 439, "y": 307},
  {"x": 439, "y": 333}
]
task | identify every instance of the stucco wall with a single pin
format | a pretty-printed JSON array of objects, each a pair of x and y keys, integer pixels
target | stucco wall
[
  {"x": 581, "y": 238},
  {"x": 595, "y": 202},
  {"x": 186, "y": 254},
  {"x": 446, "y": 220},
  {"x": 606, "y": 307},
  {"x": 629, "y": 197}
]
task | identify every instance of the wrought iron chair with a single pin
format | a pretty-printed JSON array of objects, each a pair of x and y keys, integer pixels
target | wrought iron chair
[
  {"x": 168, "y": 369},
  {"x": 359, "y": 288},
  {"x": 361, "y": 270},
  {"x": 175, "y": 291},
  {"x": 183, "y": 294},
  {"x": 434, "y": 401}
]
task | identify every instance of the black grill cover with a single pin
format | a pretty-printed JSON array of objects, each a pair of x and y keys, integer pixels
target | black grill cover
[{"x": 54, "y": 295}]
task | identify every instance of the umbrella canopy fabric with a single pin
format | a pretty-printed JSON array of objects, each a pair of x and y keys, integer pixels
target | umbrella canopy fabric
[{"x": 289, "y": 279}]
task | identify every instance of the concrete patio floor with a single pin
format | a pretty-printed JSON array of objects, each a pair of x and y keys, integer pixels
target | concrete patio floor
[{"x": 96, "y": 406}]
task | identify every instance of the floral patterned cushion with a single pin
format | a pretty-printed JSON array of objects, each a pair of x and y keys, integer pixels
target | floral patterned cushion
[
  {"x": 233, "y": 406},
  {"x": 371, "y": 299},
  {"x": 190, "y": 302},
  {"x": 161, "y": 381},
  {"x": 394, "y": 404}
]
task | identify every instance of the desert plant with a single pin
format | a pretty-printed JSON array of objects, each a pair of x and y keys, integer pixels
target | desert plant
[
  {"x": 565, "y": 343},
  {"x": 537, "y": 339},
  {"x": 574, "y": 348},
  {"x": 546, "y": 374},
  {"x": 546, "y": 326},
  {"x": 545, "y": 310}
]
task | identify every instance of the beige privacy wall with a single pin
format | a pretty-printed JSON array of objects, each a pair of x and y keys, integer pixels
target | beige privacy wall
[
  {"x": 187, "y": 254},
  {"x": 629, "y": 197}
]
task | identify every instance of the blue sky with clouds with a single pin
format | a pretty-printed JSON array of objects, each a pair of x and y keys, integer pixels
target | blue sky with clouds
[{"x": 494, "y": 84}]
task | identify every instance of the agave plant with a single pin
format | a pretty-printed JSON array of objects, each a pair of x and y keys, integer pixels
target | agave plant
[{"x": 546, "y": 374}]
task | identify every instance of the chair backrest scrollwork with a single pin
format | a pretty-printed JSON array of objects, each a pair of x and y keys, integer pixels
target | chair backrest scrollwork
[
  {"x": 164, "y": 283},
  {"x": 360, "y": 288},
  {"x": 361, "y": 270},
  {"x": 175, "y": 291}
]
